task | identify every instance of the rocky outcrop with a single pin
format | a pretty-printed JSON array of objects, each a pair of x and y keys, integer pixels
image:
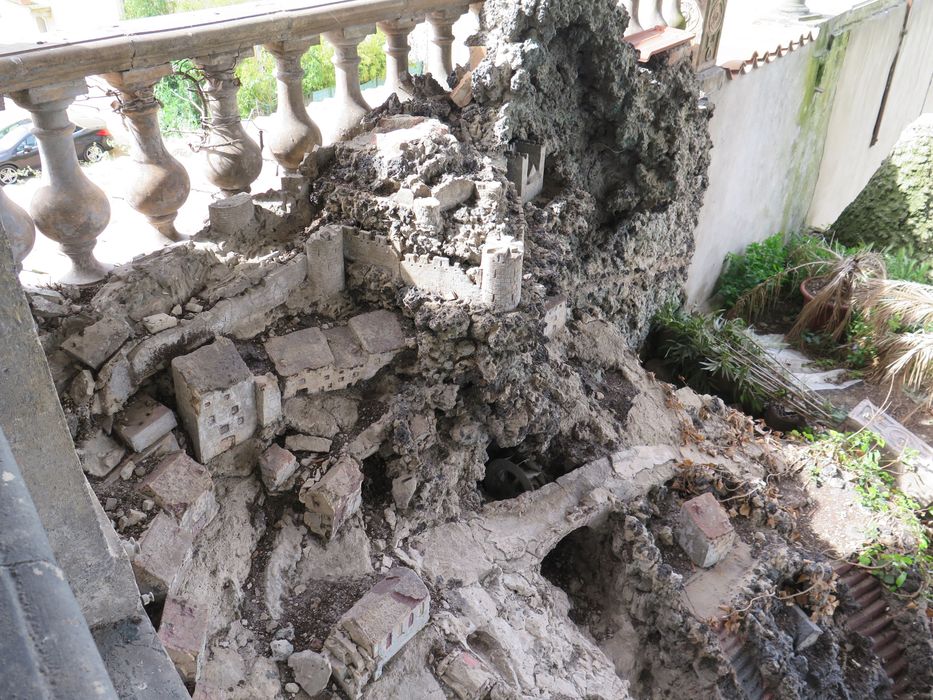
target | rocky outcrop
[{"x": 896, "y": 206}]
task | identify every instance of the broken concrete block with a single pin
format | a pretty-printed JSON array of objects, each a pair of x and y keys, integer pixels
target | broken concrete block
[
  {"x": 216, "y": 398},
  {"x": 806, "y": 632},
  {"x": 98, "y": 342},
  {"x": 307, "y": 443},
  {"x": 427, "y": 212},
  {"x": 100, "y": 454},
  {"x": 276, "y": 467},
  {"x": 159, "y": 322},
  {"x": 184, "y": 489},
  {"x": 916, "y": 477},
  {"x": 268, "y": 400},
  {"x": 403, "y": 490},
  {"x": 378, "y": 625},
  {"x": 143, "y": 422},
  {"x": 454, "y": 192},
  {"x": 378, "y": 331},
  {"x": 466, "y": 675},
  {"x": 334, "y": 498},
  {"x": 312, "y": 671},
  {"x": 82, "y": 387},
  {"x": 367, "y": 442},
  {"x": 183, "y": 633},
  {"x": 163, "y": 551},
  {"x": 298, "y": 351},
  {"x": 115, "y": 384},
  {"x": 705, "y": 533}
]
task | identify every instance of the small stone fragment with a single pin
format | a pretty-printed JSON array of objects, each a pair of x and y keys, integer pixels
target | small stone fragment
[
  {"x": 307, "y": 443},
  {"x": 95, "y": 344},
  {"x": 183, "y": 632},
  {"x": 276, "y": 467},
  {"x": 159, "y": 322},
  {"x": 705, "y": 533},
  {"x": 184, "y": 489},
  {"x": 281, "y": 649},
  {"x": 312, "y": 671},
  {"x": 100, "y": 454},
  {"x": 163, "y": 551},
  {"x": 143, "y": 422}
]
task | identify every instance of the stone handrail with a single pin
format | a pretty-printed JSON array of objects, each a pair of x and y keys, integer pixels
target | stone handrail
[
  {"x": 702, "y": 18},
  {"x": 45, "y": 77}
]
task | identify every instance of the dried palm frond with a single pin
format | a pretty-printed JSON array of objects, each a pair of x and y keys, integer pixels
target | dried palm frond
[
  {"x": 907, "y": 358},
  {"x": 896, "y": 301},
  {"x": 847, "y": 274},
  {"x": 763, "y": 296}
]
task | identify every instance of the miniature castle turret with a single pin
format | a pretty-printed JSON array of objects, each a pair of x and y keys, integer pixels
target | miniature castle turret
[{"x": 501, "y": 266}]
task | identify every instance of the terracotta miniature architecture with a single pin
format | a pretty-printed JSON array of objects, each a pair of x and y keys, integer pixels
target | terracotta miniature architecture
[{"x": 376, "y": 628}]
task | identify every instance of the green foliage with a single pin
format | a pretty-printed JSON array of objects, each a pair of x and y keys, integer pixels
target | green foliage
[
  {"x": 904, "y": 265},
  {"x": 134, "y": 9},
  {"x": 743, "y": 271},
  {"x": 860, "y": 455}
]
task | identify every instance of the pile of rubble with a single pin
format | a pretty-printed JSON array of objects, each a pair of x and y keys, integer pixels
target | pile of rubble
[{"x": 288, "y": 418}]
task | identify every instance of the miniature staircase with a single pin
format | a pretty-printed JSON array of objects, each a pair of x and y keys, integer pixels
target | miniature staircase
[
  {"x": 873, "y": 620},
  {"x": 798, "y": 364},
  {"x": 744, "y": 662}
]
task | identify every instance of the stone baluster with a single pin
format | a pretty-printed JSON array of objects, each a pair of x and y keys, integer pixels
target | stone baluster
[
  {"x": 477, "y": 53},
  {"x": 671, "y": 14},
  {"x": 234, "y": 160},
  {"x": 351, "y": 107},
  {"x": 397, "y": 76},
  {"x": 440, "y": 51},
  {"x": 67, "y": 207},
  {"x": 18, "y": 227},
  {"x": 794, "y": 8},
  {"x": 649, "y": 15},
  {"x": 632, "y": 7},
  {"x": 161, "y": 183},
  {"x": 295, "y": 133}
]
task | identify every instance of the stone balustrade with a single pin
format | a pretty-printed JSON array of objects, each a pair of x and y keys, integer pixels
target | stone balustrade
[
  {"x": 133, "y": 56},
  {"x": 702, "y": 18}
]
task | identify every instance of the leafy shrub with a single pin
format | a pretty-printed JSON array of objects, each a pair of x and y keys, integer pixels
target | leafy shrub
[{"x": 744, "y": 271}]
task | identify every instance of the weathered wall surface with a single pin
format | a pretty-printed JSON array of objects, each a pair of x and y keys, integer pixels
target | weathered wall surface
[
  {"x": 791, "y": 139},
  {"x": 849, "y": 159}
]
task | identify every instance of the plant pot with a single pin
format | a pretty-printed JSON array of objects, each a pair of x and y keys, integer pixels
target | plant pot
[{"x": 809, "y": 288}]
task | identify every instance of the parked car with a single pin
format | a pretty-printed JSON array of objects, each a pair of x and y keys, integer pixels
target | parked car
[{"x": 19, "y": 150}]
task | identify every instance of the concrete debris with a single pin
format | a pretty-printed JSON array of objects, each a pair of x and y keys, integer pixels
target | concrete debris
[
  {"x": 277, "y": 466},
  {"x": 143, "y": 423},
  {"x": 312, "y": 671},
  {"x": 159, "y": 322},
  {"x": 95, "y": 344},
  {"x": 334, "y": 498},
  {"x": 100, "y": 454},
  {"x": 308, "y": 443},
  {"x": 184, "y": 489},
  {"x": 183, "y": 632},
  {"x": 163, "y": 551}
]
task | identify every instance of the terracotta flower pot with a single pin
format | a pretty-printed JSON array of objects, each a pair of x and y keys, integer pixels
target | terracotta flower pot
[{"x": 825, "y": 317}]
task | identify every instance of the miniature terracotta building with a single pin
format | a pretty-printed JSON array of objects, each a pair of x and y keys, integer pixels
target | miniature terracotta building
[
  {"x": 216, "y": 398},
  {"x": 377, "y": 626},
  {"x": 331, "y": 501},
  {"x": 705, "y": 532}
]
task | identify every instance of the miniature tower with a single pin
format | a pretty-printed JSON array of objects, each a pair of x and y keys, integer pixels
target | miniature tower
[
  {"x": 324, "y": 249},
  {"x": 216, "y": 398},
  {"x": 501, "y": 266}
]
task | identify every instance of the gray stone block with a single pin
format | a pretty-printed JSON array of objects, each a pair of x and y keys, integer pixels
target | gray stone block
[
  {"x": 98, "y": 342},
  {"x": 378, "y": 331},
  {"x": 143, "y": 422},
  {"x": 298, "y": 351}
]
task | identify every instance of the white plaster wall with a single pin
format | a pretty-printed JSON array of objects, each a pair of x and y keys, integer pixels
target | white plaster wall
[
  {"x": 754, "y": 128},
  {"x": 848, "y": 158}
]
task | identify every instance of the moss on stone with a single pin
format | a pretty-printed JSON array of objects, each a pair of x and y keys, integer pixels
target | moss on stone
[{"x": 896, "y": 206}]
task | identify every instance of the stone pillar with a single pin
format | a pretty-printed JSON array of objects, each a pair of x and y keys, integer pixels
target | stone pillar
[
  {"x": 18, "y": 228},
  {"x": 712, "y": 12},
  {"x": 397, "y": 48},
  {"x": 440, "y": 55},
  {"x": 294, "y": 134},
  {"x": 67, "y": 207},
  {"x": 161, "y": 183},
  {"x": 794, "y": 8},
  {"x": 351, "y": 107},
  {"x": 234, "y": 160},
  {"x": 632, "y": 7}
]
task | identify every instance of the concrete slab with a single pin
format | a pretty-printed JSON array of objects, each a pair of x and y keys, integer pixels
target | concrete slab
[
  {"x": 378, "y": 331},
  {"x": 98, "y": 342},
  {"x": 707, "y": 589},
  {"x": 298, "y": 351}
]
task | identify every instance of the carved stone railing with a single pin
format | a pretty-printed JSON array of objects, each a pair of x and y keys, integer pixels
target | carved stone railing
[
  {"x": 132, "y": 56},
  {"x": 701, "y": 18}
]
